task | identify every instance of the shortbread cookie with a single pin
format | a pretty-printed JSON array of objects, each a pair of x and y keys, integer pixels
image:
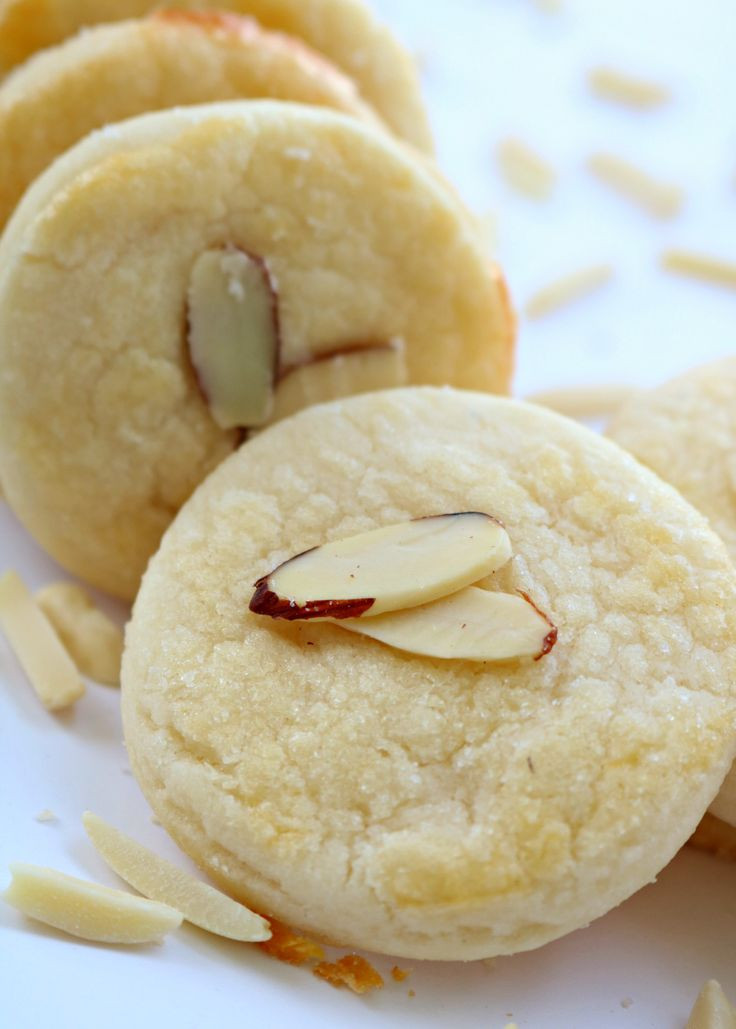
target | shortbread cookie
[
  {"x": 163, "y": 281},
  {"x": 346, "y": 31},
  {"x": 427, "y": 807},
  {"x": 686, "y": 431},
  {"x": 113, "y": 72}
]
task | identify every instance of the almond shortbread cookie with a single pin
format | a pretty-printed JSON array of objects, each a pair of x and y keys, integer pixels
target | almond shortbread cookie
[
  {"x": 180, "y": 277},
  {"x": 685, "y": 431},
  {"x": 346, "y": 31},
  {"x": 116, "y": 71},
  {"x": 427, "y": 807}
]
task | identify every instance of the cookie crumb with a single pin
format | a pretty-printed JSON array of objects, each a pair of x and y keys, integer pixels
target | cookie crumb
[
  {"x": 399, "y": 974},
  {"x": 286, "y": 945},
  {"x": 410, "y": 993},
  {"x": 352, "y": 971},
  {"x": 47, "y": 815},
  {"x": 627, "y": 1002}
]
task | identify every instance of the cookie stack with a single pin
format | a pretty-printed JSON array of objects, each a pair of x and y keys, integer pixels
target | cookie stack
[{"x": 416, "y": 741}]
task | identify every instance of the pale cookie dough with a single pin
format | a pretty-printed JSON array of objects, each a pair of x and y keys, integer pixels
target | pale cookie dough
[
  {"x": 345, "y": 31},
  {"x": 105, "y": 429},
  {"x": 116, "y": 71},
  {"x": 685, "y": 431},
  {"x": 432, "y": 808}
]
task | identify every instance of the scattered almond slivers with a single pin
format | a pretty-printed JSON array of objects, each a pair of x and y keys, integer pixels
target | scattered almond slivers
[
  {"x": 86, "y": 909},
  {"x": 622, "y": 88},
  {"x": 160, "y": 880},
  {"x": 524, "y": 169},
  {"x": 44, "y": 660},
  {"x": 339, "y": 374},
  {"x": 386, "y": 569},
  {"x": 583, "y": 401},
  {"x": 712, "y": 1009},
  {"x": 567, "y": 289},
  {"x": 472, "y": 624},
  {"x": 93, "y": 641},
  {"x": 660, "y": 199},
  {"x": 233, "y": 336},
  {"x": 700, "y": 266}
]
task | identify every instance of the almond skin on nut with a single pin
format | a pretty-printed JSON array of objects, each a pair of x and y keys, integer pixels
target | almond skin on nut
[
  {"x": 472, "y": 624},
  {"x": 388, "y": 569}
]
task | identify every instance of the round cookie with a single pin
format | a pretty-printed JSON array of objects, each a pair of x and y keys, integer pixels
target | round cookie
[
  {"x": 423, "y": 807},
  {"x": 106, "y": 429},
  {"x": 346, "y": 31},
  {"x": 116, "y": 71},
  {"x": 686, "y": 432}
]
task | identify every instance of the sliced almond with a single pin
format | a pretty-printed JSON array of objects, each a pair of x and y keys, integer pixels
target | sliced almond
[
  {"x": 339, "y": 374},
  {"x": 623, "y": 88},
  {"x": 234, "y": 336},
  {"x": 472, "y": 625},
  {"x": 700, "y": 266},
  {"x": 661, "y": 199},
  {"x": 44, "y": 660},
  {"x": 87, "y": 909},
  {"x": 92, "y": 640},
  {"x": 524, "y": 169},
  {"x": 386, "y": 569},
  {"x": 712, "y": 1009},
  {"x": 157, "y": 878},
  {"x": 567, "y": 290}
]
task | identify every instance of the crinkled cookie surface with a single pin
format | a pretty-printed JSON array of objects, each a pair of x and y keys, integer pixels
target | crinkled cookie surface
[
  {"x": 346, "y": 31},
  {"x": 105, "y": 427},
  {"x": 422, "y": 807},
  {"x": 685, "y": 431}
]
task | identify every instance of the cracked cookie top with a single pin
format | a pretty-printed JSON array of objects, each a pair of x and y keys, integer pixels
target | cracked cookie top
[
  {"x": 109, "y": 419},
  {"x": 418, "y": 806}
]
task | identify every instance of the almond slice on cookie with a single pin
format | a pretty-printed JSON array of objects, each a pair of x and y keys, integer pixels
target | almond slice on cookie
[
  {"x": 472, "y": 624},
  {"x": 388, "y": 569}
]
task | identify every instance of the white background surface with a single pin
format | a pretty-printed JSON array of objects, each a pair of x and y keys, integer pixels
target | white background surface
[{"x": 493, "y": 68}]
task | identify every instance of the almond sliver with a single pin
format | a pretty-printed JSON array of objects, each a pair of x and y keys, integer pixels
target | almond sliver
[
  {"x": 160, "y": 880},
  {"x": 473, "y": 624},
  {"x": 388, "y": 569},
  {"x": 86, "y": 909}
]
